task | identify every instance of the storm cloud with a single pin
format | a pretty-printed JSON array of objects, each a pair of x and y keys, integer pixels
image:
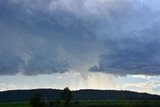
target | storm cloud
[
  {"x": 48, "y": 36},
  {"x": 136, "y": 55}
]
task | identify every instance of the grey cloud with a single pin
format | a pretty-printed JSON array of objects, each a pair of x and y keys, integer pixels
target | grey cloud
[
  {"x": 138, "y": 54},
  {"x": 42, "y": 65},
  {"x": 9, "y": 63},
  {"x": 48, "y": 36}
]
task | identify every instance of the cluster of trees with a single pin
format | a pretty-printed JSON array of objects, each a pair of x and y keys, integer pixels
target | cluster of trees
[{"x": 36, "y": 99}]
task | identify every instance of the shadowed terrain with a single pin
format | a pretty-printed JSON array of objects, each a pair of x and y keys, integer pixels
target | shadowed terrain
[{"x": 53, "y": 94}]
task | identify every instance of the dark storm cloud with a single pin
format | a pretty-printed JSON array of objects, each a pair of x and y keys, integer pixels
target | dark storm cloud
[
  {"x": 9, "y": 63},
  {"x": 48, "y": 36},
  {"x": 136, "y": 55}
]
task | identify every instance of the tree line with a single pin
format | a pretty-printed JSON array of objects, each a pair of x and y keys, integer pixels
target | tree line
[{"x": 36, "y": 99}]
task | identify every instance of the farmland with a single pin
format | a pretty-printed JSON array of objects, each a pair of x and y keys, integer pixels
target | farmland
[{"x": 94, "y": 103}]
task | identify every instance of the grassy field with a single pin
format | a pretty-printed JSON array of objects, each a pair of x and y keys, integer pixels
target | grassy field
[
  {"x": 16, "y": 104},
  {"x": 91, "y": 103}
]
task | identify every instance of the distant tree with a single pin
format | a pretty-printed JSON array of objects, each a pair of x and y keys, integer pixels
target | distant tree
[
  {"x": 67, "y": 95},
  {"x": 35, "y": 100}
]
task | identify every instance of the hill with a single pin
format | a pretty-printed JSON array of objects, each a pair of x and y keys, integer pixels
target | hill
[{"x": 52, "y": 94}]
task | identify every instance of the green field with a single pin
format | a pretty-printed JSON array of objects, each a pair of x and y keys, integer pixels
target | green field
[
  {"x": 14, "y": 105},
  {"x": 90, "y": 103}
]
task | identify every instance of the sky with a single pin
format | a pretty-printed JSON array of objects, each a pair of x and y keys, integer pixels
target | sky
[{"x": 80, "y": 44}]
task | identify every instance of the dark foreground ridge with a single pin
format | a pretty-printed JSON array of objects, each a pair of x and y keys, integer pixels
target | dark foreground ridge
[{"x": 89, "y": 94}]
